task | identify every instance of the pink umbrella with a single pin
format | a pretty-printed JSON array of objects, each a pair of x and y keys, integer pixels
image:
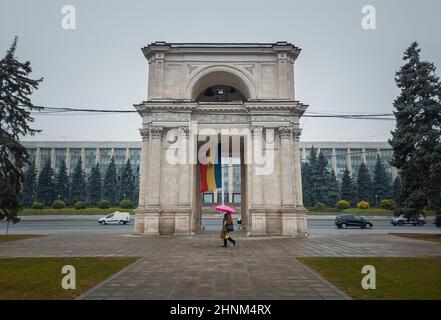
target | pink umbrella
[{"x": 224, "y": 208}]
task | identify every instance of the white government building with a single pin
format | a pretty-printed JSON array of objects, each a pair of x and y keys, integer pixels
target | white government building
[{"x": 340, "y": 155}]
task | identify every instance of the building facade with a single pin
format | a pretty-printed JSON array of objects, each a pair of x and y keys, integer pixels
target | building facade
[{"x": 340, "y": 155}]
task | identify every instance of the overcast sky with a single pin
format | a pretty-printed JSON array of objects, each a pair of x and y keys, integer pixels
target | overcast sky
[{"x": 342, "y": 67}]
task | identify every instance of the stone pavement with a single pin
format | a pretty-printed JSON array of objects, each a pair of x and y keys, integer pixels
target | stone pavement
[{"x": 198, "y": 268}]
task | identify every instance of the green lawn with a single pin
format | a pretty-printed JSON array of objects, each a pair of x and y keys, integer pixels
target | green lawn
[
  {"x": 40, "y": 278},
  {"x": 15, "y": 237},
  {"x": 397, "y": 278},
  {"x": 420, "y": 236},
  {"x": 50, "y": 211}
]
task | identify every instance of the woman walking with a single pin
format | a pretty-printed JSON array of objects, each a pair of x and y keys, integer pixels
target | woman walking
[{"x": 227, "y": 226}]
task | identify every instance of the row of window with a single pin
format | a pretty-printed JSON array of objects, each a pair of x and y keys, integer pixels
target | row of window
[
  {"x": 208, "y": 197},
  {"x": 341, "y": 156},
  {"x": 90, "y": 159}
]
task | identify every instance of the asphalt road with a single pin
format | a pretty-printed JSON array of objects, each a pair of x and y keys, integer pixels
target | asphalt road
[{"x": 90, "y": 225}]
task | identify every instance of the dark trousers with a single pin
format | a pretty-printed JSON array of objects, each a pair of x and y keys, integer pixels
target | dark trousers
[{"x": 229, "y": 239}]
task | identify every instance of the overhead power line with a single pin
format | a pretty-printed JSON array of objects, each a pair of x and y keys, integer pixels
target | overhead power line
[{"x": 46, "y": 110}]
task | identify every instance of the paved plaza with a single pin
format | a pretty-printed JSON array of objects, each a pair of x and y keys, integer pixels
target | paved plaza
[{"x": 199, "y": 268}]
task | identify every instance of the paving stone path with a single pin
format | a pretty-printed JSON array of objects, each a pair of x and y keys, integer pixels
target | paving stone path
[{"x": 199, "y": 268}]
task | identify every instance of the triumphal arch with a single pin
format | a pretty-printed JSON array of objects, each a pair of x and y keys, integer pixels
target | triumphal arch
[{"x": 239, "y": 96}]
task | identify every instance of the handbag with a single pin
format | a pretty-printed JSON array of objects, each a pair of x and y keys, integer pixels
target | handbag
[{"x": 230, "y": 226}]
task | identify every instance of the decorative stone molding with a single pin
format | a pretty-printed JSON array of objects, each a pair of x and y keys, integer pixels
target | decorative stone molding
[
  {"x": 297, "y": 133},
  {"x": 250, "y": 68},
  {"x": 191, "y": 68},
  {"x": 285, "y": 132},
  {"x": 156, "y": 132},
  {"x": 145, "y": 134},
  {"x": 185, "y": 131},
  {"x": 256, "y": 132}
]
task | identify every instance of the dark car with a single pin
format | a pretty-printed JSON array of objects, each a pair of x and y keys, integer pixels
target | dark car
[{"x": 352, "y": 220}]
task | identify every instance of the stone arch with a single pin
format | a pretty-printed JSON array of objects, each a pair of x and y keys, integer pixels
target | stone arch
[{"x": 220, "y": 75}]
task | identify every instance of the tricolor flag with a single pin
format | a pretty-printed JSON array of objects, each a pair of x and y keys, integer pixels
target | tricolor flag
[{"x": 211, "y": 173}]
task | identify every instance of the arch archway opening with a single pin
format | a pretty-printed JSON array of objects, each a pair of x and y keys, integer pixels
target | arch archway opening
[
  {"x": 220, "y": 86},
  {"x": 221, "y": 93}
]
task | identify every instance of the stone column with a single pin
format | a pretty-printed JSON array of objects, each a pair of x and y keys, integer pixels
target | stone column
[
  {"x": 288, "y": 216},
  {"x": 68, "y": 160},
  {"x": 83, "y": 158},
  {"x": 183, "y": 212},
  {"x": 302, "y": 225},
  {"x": 257, "y": 218},
  {"x": 230, "y": 187},
  {"x": 139, "y": 212},
  {"x": 97, "y": 156},
  {"x": 53, "y": 164},
  {"x": 153, "y": 210},
  {"x": 334, "y": 161},
  {"x": 349, "y": 161},
  {"x": 286, "y": 159},
  {"x": 38, "y": 160}
]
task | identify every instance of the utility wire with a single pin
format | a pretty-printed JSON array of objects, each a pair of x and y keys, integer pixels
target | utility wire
[{"x": 46, "y": 110}]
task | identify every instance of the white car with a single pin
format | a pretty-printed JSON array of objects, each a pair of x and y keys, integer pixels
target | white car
[{"x": 116, "y": 217}]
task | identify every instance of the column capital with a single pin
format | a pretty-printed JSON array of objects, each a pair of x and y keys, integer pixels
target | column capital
[
  {"x": 297, "y": 133},
  {"x": 145, "y": 134},
  {"x": 285, "y": 132},
  {"x": 256, "y": 131},
  {"x": 185, "y": 131},
  {"x": 156, "y": 132}
]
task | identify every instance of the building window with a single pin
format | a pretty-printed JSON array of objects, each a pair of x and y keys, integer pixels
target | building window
[
  {"x": 207, "y": 197},
  {"x": 90, "y": 161},
  {"x": 237, "y": 198},
  {"x": 355, "y": 162},
  {"x": 60, "y": 156}
]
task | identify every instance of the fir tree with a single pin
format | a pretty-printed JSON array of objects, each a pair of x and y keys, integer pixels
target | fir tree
[
  {"x": 95, "y": 185},
  {"x": 110, "y": 184},
  {"x": 62, "y": 183},
  {"x": 347, "y": 190},
  {"x": 320, "y": 180},
  {"x": 333, "y": 192},
  {"x": 397, "y": 191},
  {"x": 46, "y": 184},
  {"x": 306, "y": 184},
  {"x": 29, "y": 186},
  {"x": 127, "y": 189},
  {"x": 381, "y": 181},
  {"x": 15, "y": 116},
  {"x": 77, "y": 190},
  {"x": 364, "y": 184},
  {"x": 416, "y": 137}
]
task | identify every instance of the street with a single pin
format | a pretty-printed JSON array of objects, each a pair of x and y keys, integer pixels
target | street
[{"x": 66, "y": 224}]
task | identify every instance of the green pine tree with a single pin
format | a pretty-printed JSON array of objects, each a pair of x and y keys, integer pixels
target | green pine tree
[
  {"x": 77, "y": 190},
  {"x": 62, "y": 183},
  {"x": 416, "y": 138},
  {"x": 306, "y": 184},
  {"x": 110, "y": 184},
  {"x": 364, "y": 185},
  {"x": 397, "y": 191},
  {"x": 29, "y": 186},
  {"x": 320, "y": 178},
  {"x": 95, "y": 185},
  {"x": 15, "y": 116},
  {"x": 46, "y": 184},
  {"x": 347, "y": 190},
  {"x": 333, "y": 191},
  {"x": 382, "y": 185},
  {"x": 127, "y": 188}
]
